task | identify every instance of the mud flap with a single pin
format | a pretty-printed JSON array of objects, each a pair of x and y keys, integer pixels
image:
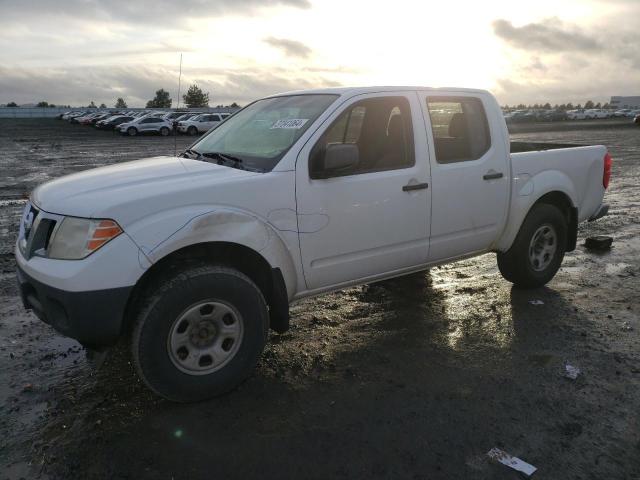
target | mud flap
[
  {"x": 278, "y": 303},
  {"x": 572, "y": 229}
]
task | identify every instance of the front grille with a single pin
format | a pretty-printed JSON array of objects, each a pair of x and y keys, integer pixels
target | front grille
[
  {"x": 40, "y": 239},
  {"x": 35, "y": 231}
]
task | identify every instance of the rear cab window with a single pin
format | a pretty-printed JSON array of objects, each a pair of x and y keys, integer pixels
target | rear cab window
[{"x": 460, "y": 128}]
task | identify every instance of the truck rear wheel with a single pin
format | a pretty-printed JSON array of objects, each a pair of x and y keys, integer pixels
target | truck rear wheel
[
  {"x": 538, "y": 250},
  {"x": 200, "y": 333}
]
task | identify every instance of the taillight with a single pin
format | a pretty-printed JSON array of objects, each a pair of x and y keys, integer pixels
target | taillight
[{"x": 606, "y": 174}]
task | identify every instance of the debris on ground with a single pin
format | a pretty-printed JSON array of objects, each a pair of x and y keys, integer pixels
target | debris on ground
[
  {"x": 571, "y": 372},
  {"x": 511, "y": 461},
  {"x": 536, "y": 302},
  {"x": 598, "y": 242}
]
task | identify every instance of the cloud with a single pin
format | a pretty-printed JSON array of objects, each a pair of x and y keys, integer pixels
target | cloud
[
  {"x": 160, "y": 12},
  {"x": 291, "y": 48},
  {"x": 137, "y": 84},
  {"x": 551, "y": 35}
]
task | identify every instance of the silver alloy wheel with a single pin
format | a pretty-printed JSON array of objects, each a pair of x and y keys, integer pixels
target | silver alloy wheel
[
  {"x": 205, "y": 337},
  {"x": 543, "y": 246}
]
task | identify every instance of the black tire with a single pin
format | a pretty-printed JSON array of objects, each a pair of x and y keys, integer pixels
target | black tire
[
  {"x": 516, "y": 265},
  {"x": 132, "y": 131},
  {"x": 164, "y": 131},
  {"x": 160, "y": 310},
  {"x": 192, "y": 131}
]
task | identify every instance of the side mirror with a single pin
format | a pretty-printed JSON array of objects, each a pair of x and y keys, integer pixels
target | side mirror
[{"x": 338, "y": 157}]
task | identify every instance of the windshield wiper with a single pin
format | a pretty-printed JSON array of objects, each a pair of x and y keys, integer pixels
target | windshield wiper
[
  {"x": 225, "y": 157},
  {"x": 191, "y": 152}
]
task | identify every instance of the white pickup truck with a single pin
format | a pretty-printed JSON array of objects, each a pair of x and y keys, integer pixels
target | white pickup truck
[{"x": 196, "y": 257}]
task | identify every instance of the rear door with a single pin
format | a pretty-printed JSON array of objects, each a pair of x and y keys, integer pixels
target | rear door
[
  {"x": 470, "y": 173},
  {"x": 372, "y": 218}
]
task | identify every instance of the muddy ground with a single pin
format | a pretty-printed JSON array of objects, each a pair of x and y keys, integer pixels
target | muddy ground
[{"x": 412, "y": 378}]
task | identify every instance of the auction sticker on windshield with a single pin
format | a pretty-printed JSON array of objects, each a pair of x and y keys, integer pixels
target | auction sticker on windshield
[{"x": 294, "y": 123}]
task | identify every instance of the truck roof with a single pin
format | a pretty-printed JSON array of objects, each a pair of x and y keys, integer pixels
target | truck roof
[{"x": 350, "y": 91}]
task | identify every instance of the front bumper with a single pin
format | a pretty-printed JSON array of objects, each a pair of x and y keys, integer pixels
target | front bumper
[{"x": 94, "y": 318}]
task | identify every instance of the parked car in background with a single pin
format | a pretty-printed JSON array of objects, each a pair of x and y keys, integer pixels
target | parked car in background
[
  {"x": 113, "y": 122},
  {"x": 184, "y": 116},
  {"x": 171, "y": 116},
  {"x": 552, "y": 115},
  {"x": 69, "y": 115},
  {"x": 594, "y": 113},
  {"x": 521, "y": 116},
  {"x": 636, "y": 119},
  {"x": 633, "y": 113},
  {"x": 199, "y": 124},
  {"x": 97, "y": 118},
  {"x": 84, "y": 119},
  {"x": 578, "y": 114},
  {"x": 621, "y": 113},
  {"x": 150, "y": 124}
]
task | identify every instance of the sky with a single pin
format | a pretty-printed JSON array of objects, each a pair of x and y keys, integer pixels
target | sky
[{"x": 77, "y": 51}]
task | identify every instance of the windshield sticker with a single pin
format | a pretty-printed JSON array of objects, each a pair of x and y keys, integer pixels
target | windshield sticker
[{"x": 295, "y": 123}]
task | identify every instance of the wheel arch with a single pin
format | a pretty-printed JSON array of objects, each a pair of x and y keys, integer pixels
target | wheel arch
[
  {"x": 268, "y": 279},
  {"x": 559, "y": 198}
]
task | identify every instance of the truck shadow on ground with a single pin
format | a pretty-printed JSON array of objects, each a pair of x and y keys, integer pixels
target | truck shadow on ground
[{"x": 397, "y": 379}]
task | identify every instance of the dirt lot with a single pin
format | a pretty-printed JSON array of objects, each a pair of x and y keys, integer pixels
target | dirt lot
[{"x": 412, "y": 378}]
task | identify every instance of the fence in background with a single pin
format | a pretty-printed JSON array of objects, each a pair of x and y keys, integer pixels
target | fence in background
[{"x": 36, "y": 112}]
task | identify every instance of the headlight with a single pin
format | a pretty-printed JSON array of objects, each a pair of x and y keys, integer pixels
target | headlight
[{"x": 77, "y": 238}]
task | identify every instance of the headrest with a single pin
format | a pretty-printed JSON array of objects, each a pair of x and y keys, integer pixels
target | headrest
[
  {"x": 458, "y": 126},
  {"x": 394, "y": 130}
]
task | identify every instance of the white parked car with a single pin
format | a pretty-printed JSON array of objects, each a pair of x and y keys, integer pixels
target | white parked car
[
  {"x": 295, "y": 195},
  {"x": 579, "y": 114},
  {"x": 621, "y": 113},
  {"x": 597, "y": 113},
  {"x": 200, "y": 123},
  {"x": 146, "y": 124}
]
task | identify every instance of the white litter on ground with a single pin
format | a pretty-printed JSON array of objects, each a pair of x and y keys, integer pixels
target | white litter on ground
[
  {"x": 511, "y": 461},
  {"x": 571, "y": 372},
  {"x": 536, "y": 302}
]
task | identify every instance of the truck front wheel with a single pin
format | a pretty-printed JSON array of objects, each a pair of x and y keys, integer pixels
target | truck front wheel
[
  {"x": 538, "y": 250},
  {"x": 200, "y": 333}
]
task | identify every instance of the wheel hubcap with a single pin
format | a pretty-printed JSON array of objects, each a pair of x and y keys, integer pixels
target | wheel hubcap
[
  {"x": 205, "y": 337},
  {"x": 542, "y": 248}
]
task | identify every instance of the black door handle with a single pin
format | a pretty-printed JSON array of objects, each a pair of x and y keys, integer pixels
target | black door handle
[
  {"x": 415, "y": 186},
  {"x": 492, "y": 176}
]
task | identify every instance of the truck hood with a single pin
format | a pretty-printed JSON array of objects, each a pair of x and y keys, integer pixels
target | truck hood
[{"x": 101, "y": 192}]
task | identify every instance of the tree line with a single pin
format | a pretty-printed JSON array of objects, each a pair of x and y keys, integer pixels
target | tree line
[{"x": 194, "y": 98}]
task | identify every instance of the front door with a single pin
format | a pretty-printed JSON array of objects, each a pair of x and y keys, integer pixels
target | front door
[
  {"x": 371, "y": 218},
  {"x": 470, "y": 174}
]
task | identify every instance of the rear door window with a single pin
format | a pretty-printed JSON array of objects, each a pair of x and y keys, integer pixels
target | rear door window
[{"x": 460, "y": 128}]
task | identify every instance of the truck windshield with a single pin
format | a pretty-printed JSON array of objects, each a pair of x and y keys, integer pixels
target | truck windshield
[{"x": 262, "y": 133}]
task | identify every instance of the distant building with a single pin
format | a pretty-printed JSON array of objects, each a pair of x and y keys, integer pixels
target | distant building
[{"x": 625, "y": 102}]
